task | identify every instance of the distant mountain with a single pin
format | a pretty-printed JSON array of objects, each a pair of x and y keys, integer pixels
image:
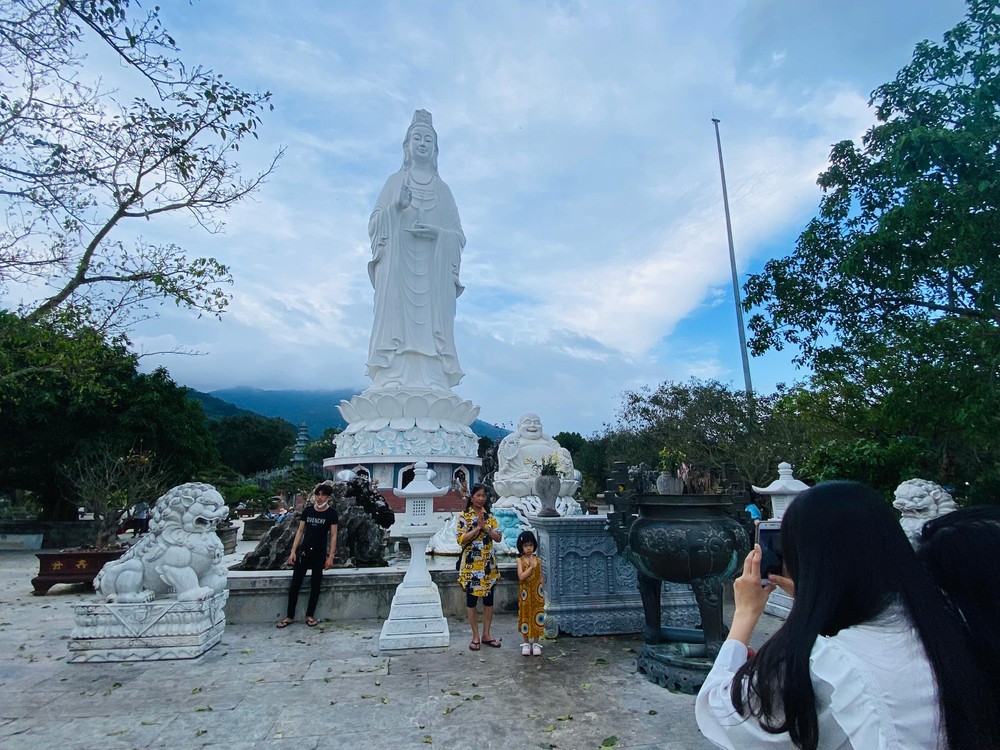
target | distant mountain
[
  {"x": 314, "y": 408},
  {"x": 216, "y": 408},
  {"x": 317, "y": 409}
]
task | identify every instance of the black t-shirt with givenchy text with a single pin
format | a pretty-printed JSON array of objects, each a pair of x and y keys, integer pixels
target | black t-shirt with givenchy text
[{"x": 317, "y": 530}]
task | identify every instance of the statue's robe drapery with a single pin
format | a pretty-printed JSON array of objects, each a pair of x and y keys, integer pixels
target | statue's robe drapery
[{"x": 416, "y": 283}]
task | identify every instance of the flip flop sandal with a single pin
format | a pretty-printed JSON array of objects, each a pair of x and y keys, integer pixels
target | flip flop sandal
[
  {"x": 492, "y": 642},
  {"x": 474, "y": 646},
  {"x": 285, "y": 623},
  {"x": 312, "y": 622}
]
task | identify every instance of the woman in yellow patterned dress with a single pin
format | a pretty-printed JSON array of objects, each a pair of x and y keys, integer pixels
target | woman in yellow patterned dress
[
  {"x": 531, "y": 598},
  {"x": 477, "y": 571}
]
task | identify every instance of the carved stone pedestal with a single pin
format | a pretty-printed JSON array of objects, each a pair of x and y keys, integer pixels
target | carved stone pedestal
[
  {"x": 679, "y": 667},
  {"x": 416, "y": 619},
  {"x": 160, "y": 629},
  {"x": 590, "y": 589}
]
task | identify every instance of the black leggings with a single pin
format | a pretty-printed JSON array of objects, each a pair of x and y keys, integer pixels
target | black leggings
[
  {"x": 470, "y": 598},
  {"x": 306, "y": 559}
]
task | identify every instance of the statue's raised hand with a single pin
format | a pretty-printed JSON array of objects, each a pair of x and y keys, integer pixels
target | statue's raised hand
[{"x": 405, "y": 197}]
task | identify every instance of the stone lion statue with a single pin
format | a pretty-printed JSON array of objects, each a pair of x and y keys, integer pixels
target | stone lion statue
[
  {"x": 181, "y": 552},
  {"x": 920, "y": 500}
]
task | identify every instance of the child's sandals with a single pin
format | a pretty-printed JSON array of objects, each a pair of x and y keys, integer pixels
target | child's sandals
[
  {"x": 536, "y": 649},
  {"x": 525, "y": 649}
]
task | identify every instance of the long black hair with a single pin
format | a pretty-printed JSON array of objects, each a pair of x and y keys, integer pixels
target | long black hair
[
  {"x": 850, "y": 562},
  {"x": 961, "y": 550}
]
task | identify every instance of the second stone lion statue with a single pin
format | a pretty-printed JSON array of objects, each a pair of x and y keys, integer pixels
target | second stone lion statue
[{"x": 180, "y": 554}]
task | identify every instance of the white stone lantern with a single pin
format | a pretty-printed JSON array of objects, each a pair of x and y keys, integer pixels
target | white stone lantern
[
  {"x": 782, "y": 490},
  {"x": 416, "y": 619}
]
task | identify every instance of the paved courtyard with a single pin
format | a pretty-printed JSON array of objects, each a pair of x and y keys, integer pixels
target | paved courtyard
[{"x": 323, "y": 687}]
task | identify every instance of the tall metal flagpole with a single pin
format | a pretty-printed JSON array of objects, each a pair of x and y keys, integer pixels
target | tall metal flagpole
[{"x": 732, "y": 263}]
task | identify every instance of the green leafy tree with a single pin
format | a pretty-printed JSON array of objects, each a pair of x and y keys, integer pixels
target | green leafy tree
[
  {"x": 82, "y": 168},
  {"x": 483, "y": 446},
  {"x": 717, "y": 428},
  {"x": 317, "y": 450},
  {"x": 64, "y": 393},
  {"x": 894, "y": 287},
  {"x": 108, "y": 484},
  {"x": 589, "y": 458},
  {"x": 294, "y": 482},
  {"x": 249, "y": 443},
  {"x": 571, "y": 441}
]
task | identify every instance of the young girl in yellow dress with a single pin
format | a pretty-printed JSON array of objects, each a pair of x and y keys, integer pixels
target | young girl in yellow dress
[{"x": 531, "y": 602}]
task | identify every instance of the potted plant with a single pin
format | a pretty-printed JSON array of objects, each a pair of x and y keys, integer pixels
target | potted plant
[
  {"x": 107, "y": 485},
  {"x": 255, "y": 528},
  {"x": 671, "y": 466},
  {"x": 547, "y": 484}
]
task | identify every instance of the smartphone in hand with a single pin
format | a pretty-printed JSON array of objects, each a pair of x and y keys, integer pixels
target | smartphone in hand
[{"x": 772, "y": 559}]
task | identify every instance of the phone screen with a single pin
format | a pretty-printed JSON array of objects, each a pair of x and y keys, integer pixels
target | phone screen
[{"x": 772, "y": 560}]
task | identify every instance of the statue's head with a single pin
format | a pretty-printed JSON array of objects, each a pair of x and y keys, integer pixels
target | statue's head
[
  {"x": 421, "y": 134},
  {"x": 922, "y": 499},
  {"x": 529, "y": 426}
]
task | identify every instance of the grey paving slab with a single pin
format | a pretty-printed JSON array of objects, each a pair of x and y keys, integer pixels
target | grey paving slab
[{"x": 262, "y": 688}]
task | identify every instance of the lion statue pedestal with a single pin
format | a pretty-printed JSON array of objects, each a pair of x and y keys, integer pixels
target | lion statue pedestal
[{"x": 165, "y": 597}]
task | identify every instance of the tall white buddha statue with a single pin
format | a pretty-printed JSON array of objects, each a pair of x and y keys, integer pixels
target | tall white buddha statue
[{"x": 417, "y": 240}]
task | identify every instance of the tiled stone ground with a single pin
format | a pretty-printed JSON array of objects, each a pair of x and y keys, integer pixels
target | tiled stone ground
[{"x": 324, "y": 687}]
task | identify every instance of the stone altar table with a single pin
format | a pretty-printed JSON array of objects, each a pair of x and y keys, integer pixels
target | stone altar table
[{"x": 592, "y": 590}]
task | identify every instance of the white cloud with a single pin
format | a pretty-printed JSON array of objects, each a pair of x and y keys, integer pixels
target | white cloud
[{"x": 576, "y": 137}]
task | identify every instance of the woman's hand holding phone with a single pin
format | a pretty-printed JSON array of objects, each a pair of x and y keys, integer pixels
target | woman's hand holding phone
[{"x": 750, "y": 595}]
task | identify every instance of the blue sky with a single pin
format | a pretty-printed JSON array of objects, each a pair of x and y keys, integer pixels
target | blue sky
[{"x": 577, "y": 140}]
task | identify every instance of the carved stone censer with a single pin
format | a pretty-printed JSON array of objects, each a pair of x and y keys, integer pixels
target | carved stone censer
[{"x": 693, "y": 539}]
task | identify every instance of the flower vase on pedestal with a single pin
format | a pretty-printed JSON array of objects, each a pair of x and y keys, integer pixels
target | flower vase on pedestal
[
  {"x": 547, "y": 489},
  {"x": 669, "y": 485}
]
